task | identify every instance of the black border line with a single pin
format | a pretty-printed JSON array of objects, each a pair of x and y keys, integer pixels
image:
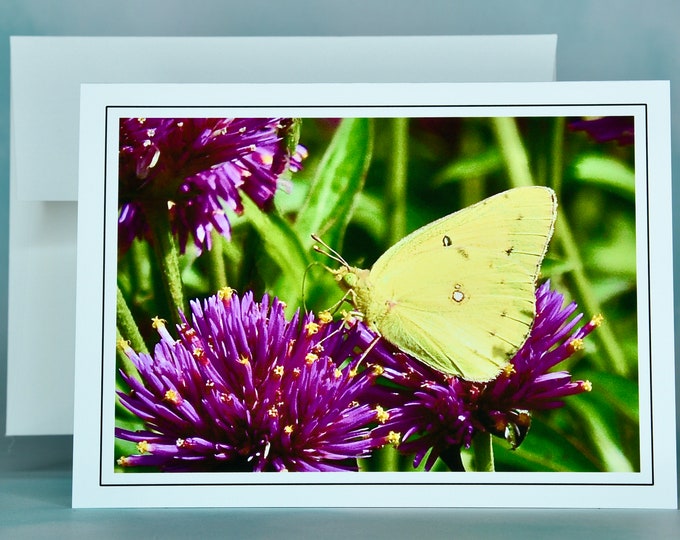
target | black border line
[{"x": 644, "y": 105}]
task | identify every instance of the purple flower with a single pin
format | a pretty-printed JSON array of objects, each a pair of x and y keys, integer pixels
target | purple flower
[
  {"x": 607, "y": 128},
  {"x": 436, "y": 415},
  {"x": 196, "y": 169},
  {"x": 244, "y": 389}
]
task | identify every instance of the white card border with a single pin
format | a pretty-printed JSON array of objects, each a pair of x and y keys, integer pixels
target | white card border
[{"x": 653, "y": 487}]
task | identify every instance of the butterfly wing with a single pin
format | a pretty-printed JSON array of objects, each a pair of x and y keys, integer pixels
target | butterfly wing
[{"x": 459, "y": 293}]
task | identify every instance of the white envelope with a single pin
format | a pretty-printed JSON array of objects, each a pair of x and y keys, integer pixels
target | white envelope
[{"x": 46, "y": 73}]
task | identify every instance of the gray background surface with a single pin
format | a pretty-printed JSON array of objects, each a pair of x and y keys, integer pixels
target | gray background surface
[{"x": 598, "y": 40}]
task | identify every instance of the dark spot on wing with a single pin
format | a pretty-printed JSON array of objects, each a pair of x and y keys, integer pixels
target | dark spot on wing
[{"x": 446, "y": 241}]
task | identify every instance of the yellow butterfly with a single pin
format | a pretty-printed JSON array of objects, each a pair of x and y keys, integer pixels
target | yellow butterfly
[{"x": 459, "y": 293}]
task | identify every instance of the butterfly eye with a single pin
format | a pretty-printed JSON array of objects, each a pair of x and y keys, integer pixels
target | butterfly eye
[{"x": 350, "y": 279}]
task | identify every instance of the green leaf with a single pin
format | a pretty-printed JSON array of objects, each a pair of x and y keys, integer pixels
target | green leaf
[
  {"x": 599, "y": 424},
  {"x": 468, "y": 168},
  {"x": 545, "y": 449},
  {"x": 284, "y": 248},
  {"x": 339, "y": 178},
  {"x": 606, "y": 172},
  {"x": 619, "y": 392}
]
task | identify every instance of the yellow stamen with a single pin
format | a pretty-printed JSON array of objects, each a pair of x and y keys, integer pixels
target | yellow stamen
[
  {"x": 310, "y": 358},
  {"x": 157, "y": 323},
  {"x": 278, "y": 371},
  {"x": 143, "y": 447},
  {"x": 597, "y": 320},
  {"x": 508, "y": 370},
  {"x": 381, "y": 414},
  {"x": 377, "y": 369},
  {"x": 587, "y": 386},
  {"x": 393, "y": 438},
  {"x": 123, "y": 345},
  {"x": 325, "y": 317},
  {"x": 576, "y": 345},
  {"x": 311, "y": 328},
  {"x": 273, "y": 412},
  {"x": 225, "y": 293},
  {"x": 337, "y": 373},
  {"x": 288, "y": 429},
  {"x": 123, "y": 461},
  {"x": 173, "y": 397}
]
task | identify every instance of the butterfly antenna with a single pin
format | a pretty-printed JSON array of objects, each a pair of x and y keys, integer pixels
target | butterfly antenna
[
  {"x": 304, "y": 283},
  {"x": 328, "y": 251}
]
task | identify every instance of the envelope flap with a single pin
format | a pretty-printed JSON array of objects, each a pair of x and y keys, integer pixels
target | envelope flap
[{"x": 46, "y": 73}]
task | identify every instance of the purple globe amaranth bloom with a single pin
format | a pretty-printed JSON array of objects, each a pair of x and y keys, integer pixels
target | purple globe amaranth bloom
[
  {"x": 244, "y": 389},
  {"x": 196, "y": 169},
  {"x": 607, "y": 128},
  {"x": 435, "y": 415}
]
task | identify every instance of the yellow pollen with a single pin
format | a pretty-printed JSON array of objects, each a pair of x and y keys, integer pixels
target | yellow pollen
[
  {"x": 381, "y": 414},
  {"x": 143, "y": 447},
  {"x": 198, "y": 353},
  {"x": 123, "y": 461},
  {"x": 288, "y": 429},
  {"x": 310, "y": 358},
  {"x": 296, "y": 372},
  {"x": 378, "y": 370},
  {"x": 393, "y": 438},
  {"x": 173, "y": 397},
  {"x": 141, "y": 120},
  {"x": 325, "y": 317},
  {"x": 278, "y": 371},
  {"x": 311, "y": 328},
  {"x": 508, "y": 370},
  {"x": 317, "y": 349},
  {"x": 266, "y": 159},
  {"x": 225, "y": 293},
  {"x": 179, "y": 443},
  {"x": 352, "y": 372},
  {"x": 353, "y": 404},
  {"x": 157, "y": 323},
  {"x": 273, "y": 412},
  {"x": 244, "y": 360},
  {"x": 123, "y": 344},
  {"x": 597, "y": 320},
  {"x": 337, "y": 373},
  {"x": 587, "y": 386},
  {"x": 576, "y": 345}
]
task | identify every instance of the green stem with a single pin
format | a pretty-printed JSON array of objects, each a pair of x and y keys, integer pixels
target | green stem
[
  {"x": 387, "y": 459},
  {"x": 513, "y": 152},
  {"x": 127, "y": 326},
  {"x": 482, "y": 448},
  {"x": 167, "y": 253},
  {"x": 472, "y": 189},
  {"x": 127, "y": 330},
  {"x": 585, "y": 295},
  {"x": 395, "y": 197},
  {"x": 216, "y": 267}
]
